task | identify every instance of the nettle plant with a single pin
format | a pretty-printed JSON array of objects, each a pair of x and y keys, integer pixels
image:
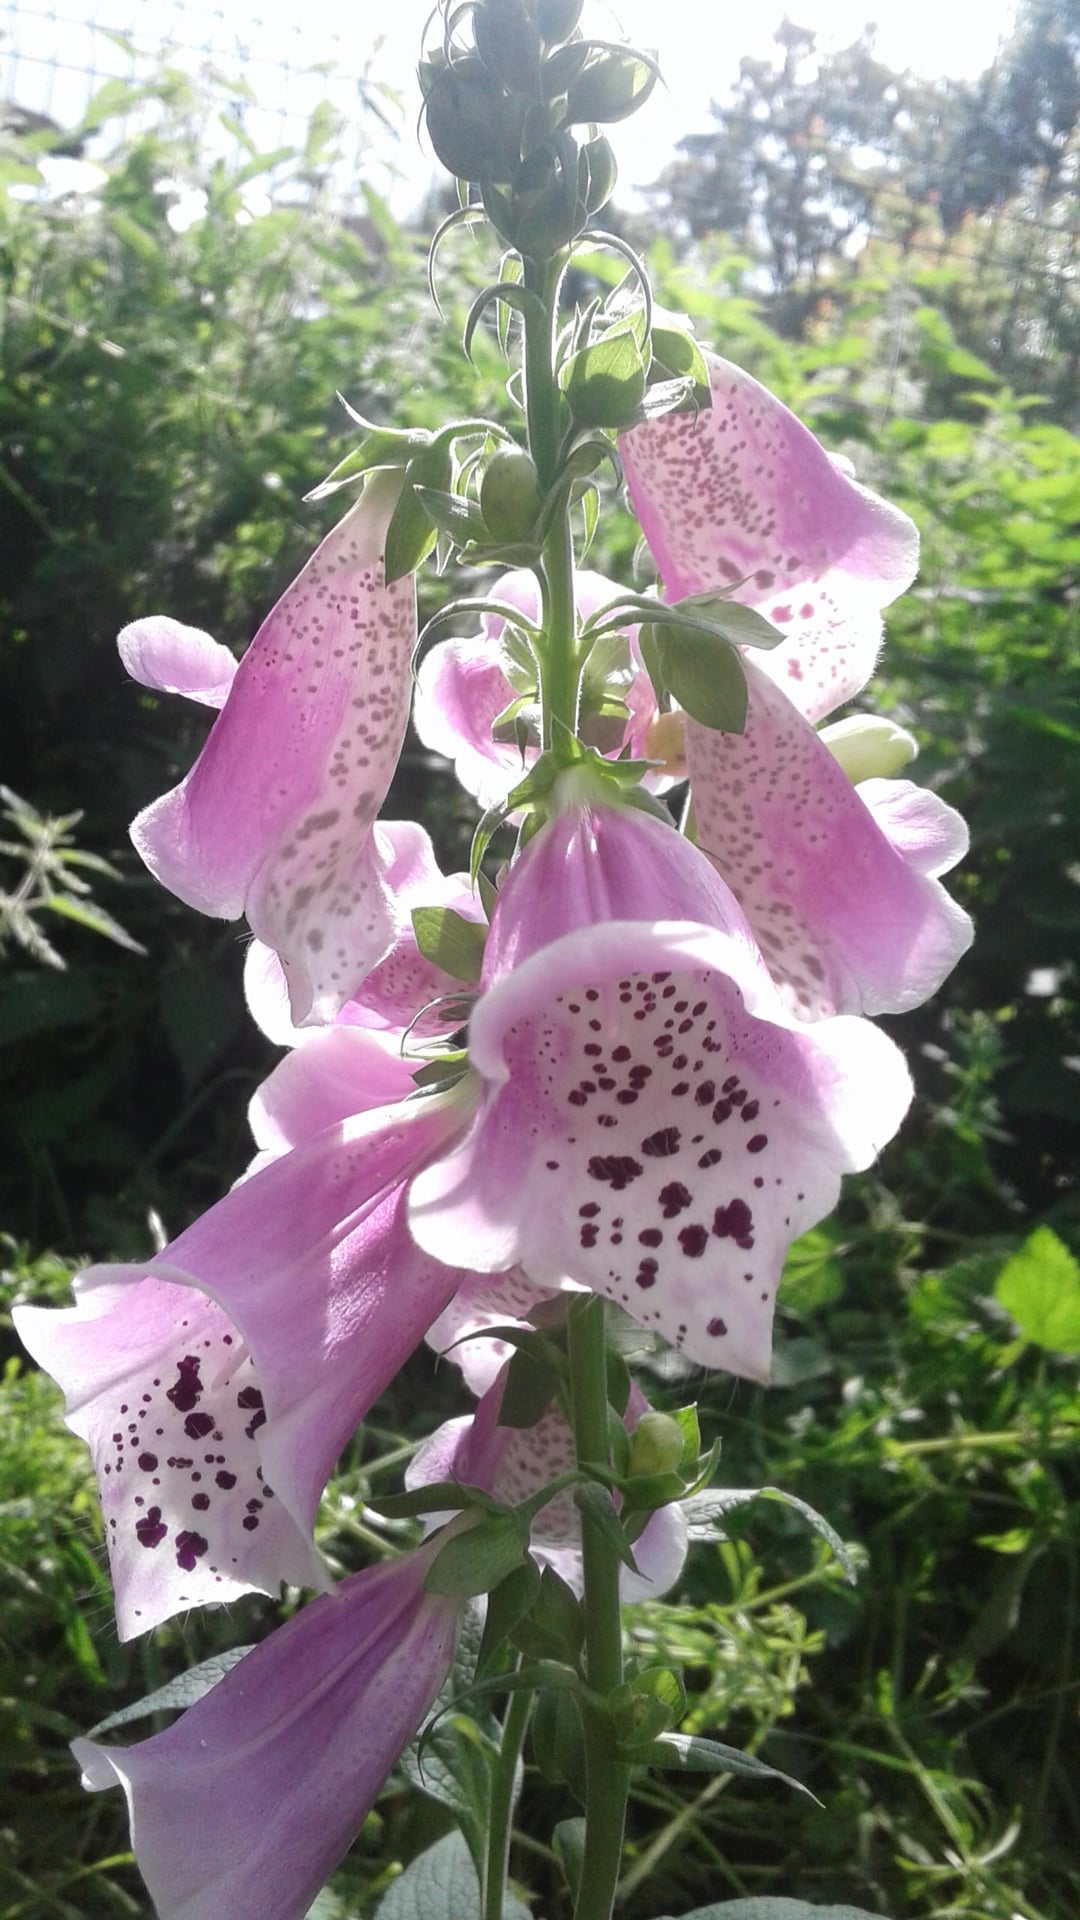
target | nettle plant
[{"x": 529, "y": 1118}]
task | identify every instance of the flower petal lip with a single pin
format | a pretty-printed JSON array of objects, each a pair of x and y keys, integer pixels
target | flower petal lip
[
  {"x": 247, "y": 1803},
  {"x": 672, "y": 1168},
  {"x": 742, "y": 498},
  {"x": 275, "y": 817},
  {"x": 848, "y": 915},
  {"x": 172, "y": 658},
  {"x": 158, "y": 1384}
]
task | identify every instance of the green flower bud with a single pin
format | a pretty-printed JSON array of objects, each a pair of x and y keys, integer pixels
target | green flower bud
[
  {"x": 510, "y": 496},
  {"x": 868, "y": 746},
  {"x": 656, "y": 1444},
  {"x": 557, "y": 19}
]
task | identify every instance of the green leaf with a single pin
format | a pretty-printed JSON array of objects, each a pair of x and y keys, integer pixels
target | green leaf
[
  {"x": 93, "y": 918},
  {"x": 439, "y": 1496},
  {"x": 690, "y": 1754},
  {"x": 568, "y": 1840},
  {"x": 461, "y": 519},
  {"x": 441, "y": 1884},
  {"x": 704, "y": 674},
  {"x": 767, "y": 1906},
  {"x": 455, "y": 1771},
  {"x": 558, "y": 1743},
  {"x": 450, "y": 941},
  {"x": 1040, "y": 1288},
  {"x": 528, "y": 1391},
  {"x": 477, "y": 1560},
  {"x": 743, "y": 626},
  {"x": 706, "y": 1511},
  {"x": 184, "y": 1691}
]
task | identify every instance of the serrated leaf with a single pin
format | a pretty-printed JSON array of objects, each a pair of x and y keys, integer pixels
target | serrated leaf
[
  {"x": 1040, "y": 1288},
  {"x": 450, "y": 942},
  {"x": 184, "y": 1691},
  {"x": 95, "y": 919}
]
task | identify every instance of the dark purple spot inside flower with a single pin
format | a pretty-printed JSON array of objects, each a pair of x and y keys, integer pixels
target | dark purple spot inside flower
[
  {"x": 148, "y": 1461},
  {"x": 693, "y": 1241},
  {"x": 620, "y": 1054},
  {"x": 662, "y": 1144},
  {"x": 589, "y": 1236},
  {"x": 757, "y": 1143},
  {"x": 150, "y": 1531},
  {"x": 187, "y": 1390},
  {"x": 189, "y": 1548},
  {"x": 711, "y": 1158},
  {"x": 734, "y": 1222},
  {"x": 198, "y": 1425},
  {"x": 226, "y": 1481},
  {"x": 751, "y": 1110},
  {"x": 200, "y": 1501},
  {"x": 717, "y": 1328},
  {"x": 618, "y": 1168},
  {"x": 650, "y": 1237},
  {"x": 674, "y": 1199},
  {"x": 706, "y": 1093},
  {"x": 722, "y": 1112},
  {"x": 646, "y": 1274},
  {"x": 590, "y": 1210}
]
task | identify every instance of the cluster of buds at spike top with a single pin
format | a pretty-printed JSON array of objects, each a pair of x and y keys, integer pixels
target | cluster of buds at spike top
[{"x": 501, "y": 111}]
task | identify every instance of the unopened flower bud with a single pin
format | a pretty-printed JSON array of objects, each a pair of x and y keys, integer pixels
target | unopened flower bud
[
  {"x": 656, "y": 1444},
  {"x": 869, "y": 747},
  {"x": 665, "y": 740},
  {"x": 510, "y": 496}
]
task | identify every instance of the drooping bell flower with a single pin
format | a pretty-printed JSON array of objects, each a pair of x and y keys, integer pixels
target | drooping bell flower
[
  {"x": 405, "y": 996},
  {"x": 217, "y": 1383},
  {"x": 513, "y": 1463},
  {"x": 741, "y": 499},
  {"x": 655, "y": 1122},
  {"x": 276, "y": 820},
  {"x": 463, "y": 685},
  {"x": 839, "y": 882},
  {"x": 248, "y": 1802}
]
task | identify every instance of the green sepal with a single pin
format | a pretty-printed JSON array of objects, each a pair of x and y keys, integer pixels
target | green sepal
[
  {"x": 568, "y": 1840},
  {"x": 528, "y": 1391},
  {"x": 605, "y": 381},
  {"x": 743, "y": 626},
  {"x": 688, "y": 1753},
  {"x": 506, "y": 1604},
  {"x": 646, "y": 1705},
  {"x": 450, "y": 942},
  {"x": 441, "y": 1074},
  {"x": 679, "y": 355},
  {"x": 508, "y": 44},
  {"x": 644, "y": 1492},
  {"x": 474, "y": 127},
  {"x": 381, "y": 447},
  {"x": 702, "y": 672},
  {"x": 477, "y": 1560},
  {"x": 612, "y": 87},
  {"x": 596, "y": 1505},
  {"x": 554, "y": 1627},
  {"x": 411, "y": 533},
  {"x": 558, "y": 1742},
  {"x": 453, "y": 515},
  {"x": 440, "y": 1496},
  {"x": 508, "y": 294}
]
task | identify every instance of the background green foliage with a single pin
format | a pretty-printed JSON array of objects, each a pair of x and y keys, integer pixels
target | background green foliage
[{"x": 166, "y": 400}]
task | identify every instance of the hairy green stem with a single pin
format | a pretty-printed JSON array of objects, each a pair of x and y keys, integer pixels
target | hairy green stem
[
  {"x": 501, "y": 1805},
  {"x": 606, "y": 1781},
  {"x": 559, "y": 671}
]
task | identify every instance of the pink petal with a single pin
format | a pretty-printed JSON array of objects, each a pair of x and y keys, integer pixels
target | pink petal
[
  {"x": 655, "y": 1124},
  {"x": 313, "y": 1261},
  {"x": 743, "y": 498},
  {"x": 160, "y": 1386},
  {"x": 164, "y": 654},
  {"x": 847, "y": 917},
  {"x": 463, "y": 687},
  {"x": 482, "y": 1301},
  {"x": 275, "y": 817},
  {"x": 332, "y": 1075},
  {"x": 513, "y": 1463},
  {"x": 404, "y": 991},
  {"x": 246, "y": 1804}
]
